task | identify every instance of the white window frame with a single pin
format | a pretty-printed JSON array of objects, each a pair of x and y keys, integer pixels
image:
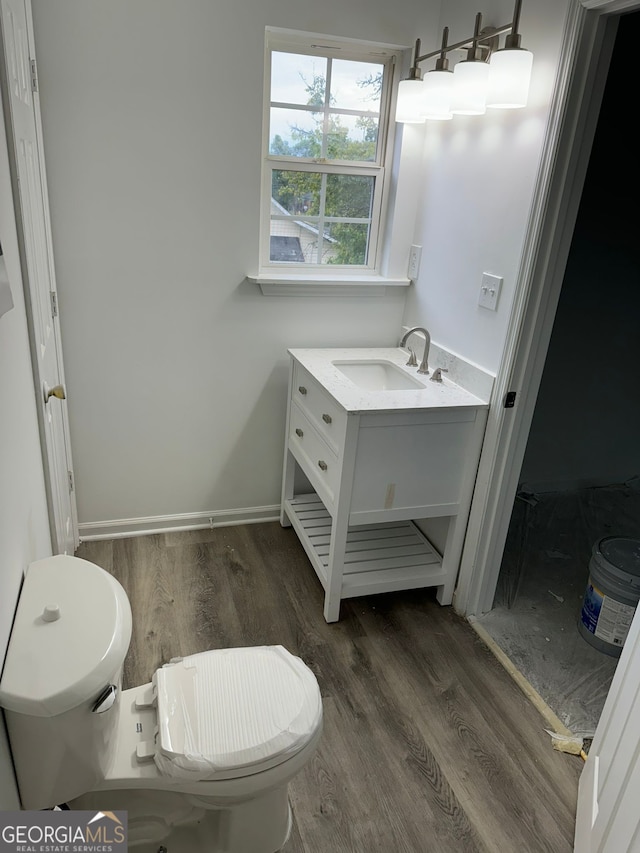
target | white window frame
[{"x": 288, "y": 273}]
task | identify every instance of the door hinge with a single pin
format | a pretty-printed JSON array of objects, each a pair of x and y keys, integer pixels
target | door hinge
[
  {"x": 510, "y": 400},
  {"x": 70, "y": 473},
  {"x": 54, "y": 303},
  {"x": 34, "y": 76}
]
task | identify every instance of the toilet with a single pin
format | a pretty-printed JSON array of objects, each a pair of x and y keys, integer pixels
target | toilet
[{"x": 200, "y": 758}]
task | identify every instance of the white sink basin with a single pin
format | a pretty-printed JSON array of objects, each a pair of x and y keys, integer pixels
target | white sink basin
[{"x": 378, "y": 375}]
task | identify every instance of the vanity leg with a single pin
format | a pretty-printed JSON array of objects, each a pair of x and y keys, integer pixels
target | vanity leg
[
  {"x": 289, "y": 463},
  {"x": 331, "y": 608},
  {"x": 458, "y": 523},
  {"x": 335, "y": 567},
  {"x": 340, "y": 523},
  {"x": 287, "y": 486},
  {"x": 444, "y": 593},
  {"x": 451, "y": 560}
]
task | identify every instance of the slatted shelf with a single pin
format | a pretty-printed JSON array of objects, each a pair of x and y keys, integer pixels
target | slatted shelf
[{"x": 379, "y": 557}]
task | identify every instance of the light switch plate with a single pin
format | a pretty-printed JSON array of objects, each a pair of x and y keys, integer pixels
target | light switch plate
[{"x": 490, "y": 291}]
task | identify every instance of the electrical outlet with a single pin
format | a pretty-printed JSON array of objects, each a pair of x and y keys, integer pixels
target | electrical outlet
[
  {"x": 490, "y": 291},
  {"x": 415, "y": 253}
]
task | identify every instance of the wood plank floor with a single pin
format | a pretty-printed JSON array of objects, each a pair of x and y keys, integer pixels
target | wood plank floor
[{"x": 428, "y": 745}]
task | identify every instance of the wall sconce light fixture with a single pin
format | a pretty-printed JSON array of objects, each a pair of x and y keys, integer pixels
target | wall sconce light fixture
[{"x": 489, "y": 76}]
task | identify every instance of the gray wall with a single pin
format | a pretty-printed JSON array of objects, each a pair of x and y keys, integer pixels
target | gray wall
[
  {"x": 479, "y": 177},
  {"x": 176, "y": 367}
]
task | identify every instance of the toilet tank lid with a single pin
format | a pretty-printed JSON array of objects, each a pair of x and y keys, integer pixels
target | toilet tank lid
[{"x": 70, "y": 636}]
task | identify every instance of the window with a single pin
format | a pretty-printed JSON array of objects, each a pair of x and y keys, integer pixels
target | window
[{"x": 325, "y": 146}]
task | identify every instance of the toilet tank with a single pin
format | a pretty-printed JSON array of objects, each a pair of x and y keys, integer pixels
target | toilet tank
[{"x": 61, "y": 681}]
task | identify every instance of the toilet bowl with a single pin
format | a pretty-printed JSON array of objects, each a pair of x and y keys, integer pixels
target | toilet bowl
[{"x": 200, "y": 758}]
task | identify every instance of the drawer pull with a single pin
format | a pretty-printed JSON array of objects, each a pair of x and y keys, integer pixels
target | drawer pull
[
  {"x": 322, "y": 465},
  {"x": 326, "y": 419},
  {"x": 302, "y": 389},
  {"x": 299, "y": 432}
]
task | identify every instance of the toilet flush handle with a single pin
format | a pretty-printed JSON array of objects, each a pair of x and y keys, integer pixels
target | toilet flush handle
[{"x": 105, "y": 700}]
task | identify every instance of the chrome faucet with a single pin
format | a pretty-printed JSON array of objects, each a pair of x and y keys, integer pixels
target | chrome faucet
[{"x": 424, "y": 364}]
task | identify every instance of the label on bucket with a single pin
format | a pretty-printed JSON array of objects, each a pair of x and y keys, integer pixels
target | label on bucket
[
  {"x": 606, "y": 618},
  {"x": 614, "y": 622}
]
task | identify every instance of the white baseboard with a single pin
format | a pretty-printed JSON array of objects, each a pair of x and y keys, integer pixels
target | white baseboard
[{"x": 122, "y": 527}]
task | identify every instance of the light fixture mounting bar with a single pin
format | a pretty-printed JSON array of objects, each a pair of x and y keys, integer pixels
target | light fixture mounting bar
[
  {"x": 513, "y": 38},
  {"x": 414, "y": 72},
  {"x": 465, "y": 43}
]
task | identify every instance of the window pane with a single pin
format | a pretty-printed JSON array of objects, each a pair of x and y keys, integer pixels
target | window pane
[
  {"x": 297, "y": 240},
  {"x": 302, "y": 202},
  {"x": 298, "y": 79},
  {"x": 295, "y": 133},
  {"x": 350, "y": 243},
  {"x": 356, "y": 85},
  {"x": 352, "y": 138},
  {"x": 296, "y": 193},
  {"x": 286, "y": 249},
  {"x": 349, "y": 196}
]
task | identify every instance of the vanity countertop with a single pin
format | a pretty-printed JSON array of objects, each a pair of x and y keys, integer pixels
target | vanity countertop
[{"x": 320, "y": 363}]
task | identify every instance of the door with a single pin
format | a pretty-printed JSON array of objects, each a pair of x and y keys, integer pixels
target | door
[
  {"x": 32, "y": 208},
  {"x": 608, "y": 819}
]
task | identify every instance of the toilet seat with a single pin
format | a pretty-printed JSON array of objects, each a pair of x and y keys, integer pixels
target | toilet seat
[{"x": 234, "y": 712}]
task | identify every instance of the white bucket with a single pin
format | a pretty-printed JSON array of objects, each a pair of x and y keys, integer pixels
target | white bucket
[{"x": 612, "y": 593}]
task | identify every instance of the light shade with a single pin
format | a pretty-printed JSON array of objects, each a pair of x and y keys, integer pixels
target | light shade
[
  {"x": 470, "y": 80},
  {"x": 509, "y": 77},
  {"x": 436, "y": 100},
  {"x": 409, "y": 106}
]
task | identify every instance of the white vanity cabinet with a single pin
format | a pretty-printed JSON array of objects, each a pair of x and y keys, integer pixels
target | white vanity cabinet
[{"x": 369, "y": 474}]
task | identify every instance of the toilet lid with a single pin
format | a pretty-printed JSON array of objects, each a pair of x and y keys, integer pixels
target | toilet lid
[{"x": 231, "y": 710}]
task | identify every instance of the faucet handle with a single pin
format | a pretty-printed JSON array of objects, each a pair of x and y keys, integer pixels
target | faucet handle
[
  {"x": 437, "y": 374},
  {"x": 413, "y": 361}
]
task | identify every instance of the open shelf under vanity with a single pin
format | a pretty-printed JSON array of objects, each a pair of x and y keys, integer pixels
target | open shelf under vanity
[{"x": 378, "y": 557}]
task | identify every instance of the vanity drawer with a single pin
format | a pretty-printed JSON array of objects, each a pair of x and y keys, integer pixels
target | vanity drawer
[
  {"x": 321, "y": 464},
  {"x": 322, "y": 410}
]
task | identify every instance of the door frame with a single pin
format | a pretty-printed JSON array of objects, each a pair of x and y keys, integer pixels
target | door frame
[{"x": 589, "y": 36}]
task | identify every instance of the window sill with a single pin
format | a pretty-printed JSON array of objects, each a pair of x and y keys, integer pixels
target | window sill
[{"x": 290, "y": 284}]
